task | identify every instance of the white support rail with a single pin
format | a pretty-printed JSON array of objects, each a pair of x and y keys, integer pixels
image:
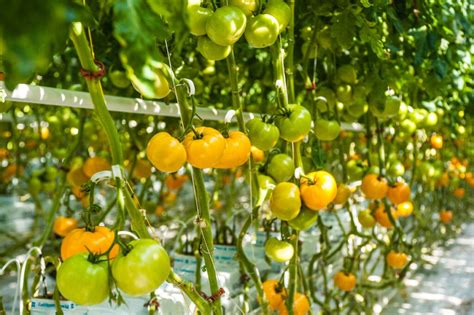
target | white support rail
[{"x": 42, "y": 95}]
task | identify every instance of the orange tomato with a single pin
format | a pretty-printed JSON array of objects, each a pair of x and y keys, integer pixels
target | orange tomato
[
  {"x": 374, "y": 187},
  {"x": 445, "y": 216},
  {"x": 345, "y": 281},
  {"x": 159, "y": 210},
  {"x": 342, "y": 195},
  {"x": 381, "y": 216},
  {"x": 94, "y": 165},
  {"x": 399, "y": 193},
  {"x": 470, "y": 181},
  {"x": 76, "y": 177},
  {"x": 443, "y": 181},
  {"x": 405, "y": 209},
  {"x": 459, "y": 193},
  {"x": 10, "y": 171},
  {"x": 82, "y": 241},
  {"x": 63, "y": 225},
  {"x": 142, "y": 169},
  {"x": 318, "y": 189},
  {"x": 236, "y": 152},
  {"x": 436, "y": 141},
  {"x": 205, "y": 149},
  {"x": 175, "y": 182},
  {"x": 44, "y": 133},
  {"x": 165, "y": 152},
  {"x": 274, "y": 293},
  {"x": 3, "y": 153},
  {"x": 300, "y": 305},
  {"x": 257, "y": 154},
  {"x": 396, "y": 260}
]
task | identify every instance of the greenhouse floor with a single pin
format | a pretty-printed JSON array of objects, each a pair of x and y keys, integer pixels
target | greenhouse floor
[{"x": 444, "y": 288}]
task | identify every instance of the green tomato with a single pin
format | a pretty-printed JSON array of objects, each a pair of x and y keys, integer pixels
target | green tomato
[
  {"x": 34, "y": 186},
  {"x": 197, "y": 19},
  {"x": 327, "y": 130},
  {"x": 418, "y": 115},
  {"x": 357, "y": 109},
  {"x": 426, "y": 171},
  {"x": 305, "y": 219},
  {"x": 83, "y": 282},
  {"x": 347, "y": 74},
  {"x": 344, "y": 93},
  {"x": 430, "y": 120},
  {"x": 280, "y": 11},
  {"x": 226, "y": 25},
  {"x": 396, "y": 169},
  {"x": 312, "y": 53},
  {"x": 279, "y": 251},
  {"x": 51, "y": 173},
  {"x": 143, "y": 269},
  {"x": 373, "y": 170},
  {"x": 402, "y": 111},
  {"x": 366, "y": 219},
  {"x": 261, "y": 31},
  {"x": 355, "y": 170},
  {"x": 324, "y": 38},
  {"x": 285, "y": 202},
  {"x": 247, "y": 6},
  {"x": 295, "y": 124},
  {"x": 119, "y": 79},
  {"x": 281, "y": 168},
  {"x": 386, "y": 109},
  {"x": 49, "y": 187},
  {"x": 262, "y": 135},
  {"x": 211, "y": 50},
  {"x": 407, "y": 126},
  {"x": 330, "y": 97}
]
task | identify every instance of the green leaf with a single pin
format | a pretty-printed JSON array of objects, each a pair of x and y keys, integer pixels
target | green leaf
[
  {"x": 33, "y": 31},
  {"x": 366, "y": 3},
  {"x": 343, "y": 29}
]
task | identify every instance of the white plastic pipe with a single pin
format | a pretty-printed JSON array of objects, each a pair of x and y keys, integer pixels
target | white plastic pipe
[{"x": 42, "y": 95}]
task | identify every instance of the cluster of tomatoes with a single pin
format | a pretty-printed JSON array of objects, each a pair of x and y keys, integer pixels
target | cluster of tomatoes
[
  {"x": 220, "y": 29},
  {"x": 203, "y": 147}
]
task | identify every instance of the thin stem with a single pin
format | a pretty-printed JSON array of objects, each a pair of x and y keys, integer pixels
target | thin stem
[
  {"x": 234, "y": 85},
  {"x": 290, "y": 69}
]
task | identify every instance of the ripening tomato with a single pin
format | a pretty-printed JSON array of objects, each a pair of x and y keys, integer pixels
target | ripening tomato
[
  {"x": 280, "y": 11},
  {"x": 165, "y": 152},
  {"x": 279, "y": 251},
  {"x": 63, "y": 225},
  {"x": 285, "y": 202},
  {"x": 143, "y": 269},
  {"x": 94, "y": 165},
  {"x": 82, "y": 241},
  {"x": 396, "y": 260},
  {"x": 342, "y": 195},
  {"x": 211, "y": 50},
  {"x": 445, "y": 216},
  {"x": 366, "y": 219},
  {"x": 236, "y": 152},
  {"x": 281, "y": 167},
  {"x": 459, "y": 193},
  {"x": 436, "y": 141},
  {"x": 83, "y": 282},
  {"x": 300, "y": 305},
  {"x": 262, "y": 135},
  {"x": 175, "y": 182},
  {"x": 405, "y": 209},
  {"x": 226, "y": 25},
  {"x": 257, "y": 154},
  {"x": 318, "y": 189},
  {"x": 142, "y": 169},
  {"x": 197, "y": 19},
  {"x": 294, "y": 124},
  {"x": 345, "y": 281},
  {"x": 374, "y": 186},
  {"x": 261, "y": 30},
  {"x": 205, "y": 149},
  {"x": 398, "y": 193},
  {"x": 274, "y": 292},
  {"x": 382, "y": 218}
]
